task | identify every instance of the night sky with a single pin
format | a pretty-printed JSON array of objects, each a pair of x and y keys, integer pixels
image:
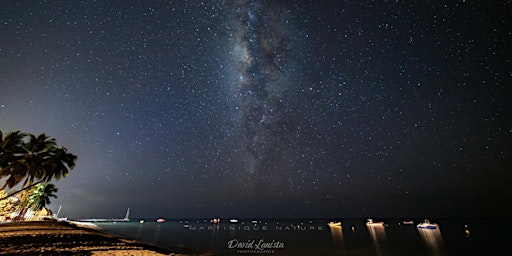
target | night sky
[{"x": 266, "y": 108}]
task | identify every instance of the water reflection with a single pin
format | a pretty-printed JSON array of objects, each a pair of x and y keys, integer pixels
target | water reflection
[
  {"x": 466, "y": 230},
  {"x": 337, "y": 237},
  {"x": 378, "y": 235},
  {"x": 139, "y": 230},
  {"x": 157, "y": 233},
  {"x": 215, "y": 235},
  {"x": 432, "y": 238}
]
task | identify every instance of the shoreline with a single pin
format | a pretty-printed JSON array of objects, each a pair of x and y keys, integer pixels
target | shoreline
[{"x": 53, "y": 237}]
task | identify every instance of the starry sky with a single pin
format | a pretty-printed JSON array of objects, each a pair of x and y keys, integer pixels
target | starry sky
[{"x": 266, "y": 108}]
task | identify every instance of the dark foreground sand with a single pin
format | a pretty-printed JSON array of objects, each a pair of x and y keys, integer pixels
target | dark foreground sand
[{"x": 63, "y": 238}]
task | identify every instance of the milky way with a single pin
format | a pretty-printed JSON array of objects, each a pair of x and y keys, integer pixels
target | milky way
[{"x": 266, "y": 83}]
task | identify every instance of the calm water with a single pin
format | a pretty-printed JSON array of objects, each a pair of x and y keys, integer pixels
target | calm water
[{"x": 314, "y": 237}]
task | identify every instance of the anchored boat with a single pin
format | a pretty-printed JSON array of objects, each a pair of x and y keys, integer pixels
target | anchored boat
[{"x": 427, "y": 225}]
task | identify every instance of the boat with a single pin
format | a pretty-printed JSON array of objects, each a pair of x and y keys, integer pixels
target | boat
[
  {"x": 334, "y": 224},
  {"x": 141, "y": 221},
  {"x": 233, "y": 220},
  {"x": 56, "y": 216},
  {"x": 408, "y": 222},
  {"x": 215, "y": 221},
  {"x": 370, "y": 222},
  {"x": 125, "y": 219},
  {"x": 427, "y": 225},
  {"x": 160, "y": 220}
]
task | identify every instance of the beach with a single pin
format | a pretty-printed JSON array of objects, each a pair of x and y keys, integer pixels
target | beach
[{"x": 51, "y": 237}]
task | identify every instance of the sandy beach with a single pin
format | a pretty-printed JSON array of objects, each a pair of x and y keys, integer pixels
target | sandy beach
[{"x": 64, "y": 238}]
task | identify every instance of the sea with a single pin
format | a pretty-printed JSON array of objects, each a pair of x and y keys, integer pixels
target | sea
[{"x": 315, "y": 237}]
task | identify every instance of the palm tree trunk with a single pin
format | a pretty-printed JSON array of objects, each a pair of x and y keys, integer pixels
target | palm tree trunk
[
  {"x": 21, "y": 215},
  {"x": 23, "y": 189}
]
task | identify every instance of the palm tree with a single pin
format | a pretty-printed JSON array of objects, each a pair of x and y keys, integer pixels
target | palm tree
[
  {"x": 29, "y": 163},
  {"x": 59, "y": 164},
  {"x": 10, "y": 145},
  {"x": 38, "y": 159},
  {"x": 39, "y": 196}
]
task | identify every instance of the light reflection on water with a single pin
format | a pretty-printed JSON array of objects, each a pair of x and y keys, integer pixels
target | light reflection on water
[
  {"x": 337, "y": 238},
  {"x": 139, "y": 230},
  {"x": 378, "y": 235},
  {"x": 319, "y": 239},
  {"x": 432, "y": 238},
  {"x": 215, "y": 237},
  {"x": 157, "y": 233}
]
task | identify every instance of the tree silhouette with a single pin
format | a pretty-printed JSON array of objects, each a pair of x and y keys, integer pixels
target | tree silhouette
[{"x": 32, "y": 159}]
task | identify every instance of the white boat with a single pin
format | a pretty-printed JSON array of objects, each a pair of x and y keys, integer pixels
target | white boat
[
  {"x": 408, "y": 222},
  {"x": 370, "y": 222},
  {"x": 427, "y": 225},
  {"x": 334, "y": 224},
  {"x": 233, "y": 220},
  {"x": 160, "y": 220}
]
